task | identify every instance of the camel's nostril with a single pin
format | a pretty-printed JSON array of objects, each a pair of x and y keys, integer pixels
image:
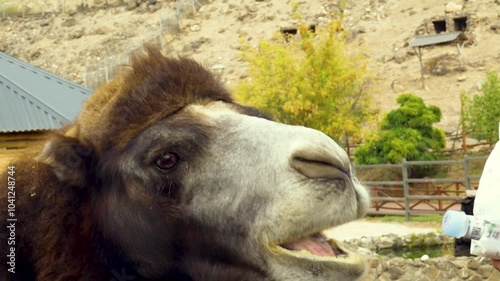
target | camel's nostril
[{"x": 320, "y": 169}]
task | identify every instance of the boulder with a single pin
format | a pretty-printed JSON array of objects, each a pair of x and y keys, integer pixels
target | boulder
[
  {"x": 400, "y": 55},
  {"x": 76, "y": 34},
  {"x": 452, "y": 7},
  {"x": 69, "y": 22},
  {"x": 253, "y": 8},
  {"x": 385, "y": 243},
  {"x": 132, "y": 4},
  {"x": 44, "y": 22},
  {"x": 495, "y": 27},
  {"x": 195, "y": 27}
]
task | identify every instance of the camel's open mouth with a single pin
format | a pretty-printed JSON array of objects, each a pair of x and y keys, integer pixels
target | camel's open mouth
[
  {"x": 315, "y": 257},
  {"x": 315, "y": 245}
]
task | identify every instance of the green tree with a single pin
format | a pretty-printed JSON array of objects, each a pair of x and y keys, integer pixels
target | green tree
[
  {"x": 481, "y": 113},
  {"x": 312, "y": 79},
  {"x": 406, "y": 132}
]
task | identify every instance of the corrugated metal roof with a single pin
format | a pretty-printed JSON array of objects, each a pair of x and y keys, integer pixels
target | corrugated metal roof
[
  {"x": 34, "y": 99},
  {"x": 427, "y": 40}
]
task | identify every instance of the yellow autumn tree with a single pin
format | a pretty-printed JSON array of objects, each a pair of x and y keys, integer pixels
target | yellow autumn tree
[{"x": 312, "y": 79}]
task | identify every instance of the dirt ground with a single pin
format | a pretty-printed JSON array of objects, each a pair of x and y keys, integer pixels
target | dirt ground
[{"x": 358, "y": 229}]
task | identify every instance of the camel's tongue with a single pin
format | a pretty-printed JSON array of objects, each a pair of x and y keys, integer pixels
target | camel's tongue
[{"x": 317, "y": 244}]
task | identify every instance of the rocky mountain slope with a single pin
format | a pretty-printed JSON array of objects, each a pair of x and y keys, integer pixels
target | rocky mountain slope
[{"x": 84, "y": 45}]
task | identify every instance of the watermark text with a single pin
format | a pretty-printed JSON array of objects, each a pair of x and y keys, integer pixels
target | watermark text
[{"x": 11, "y": 219}]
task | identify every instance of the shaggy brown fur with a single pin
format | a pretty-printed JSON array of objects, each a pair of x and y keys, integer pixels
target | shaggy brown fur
[
  {"x": 153, "y": 89},
  {"x": 75, "y": 219}
]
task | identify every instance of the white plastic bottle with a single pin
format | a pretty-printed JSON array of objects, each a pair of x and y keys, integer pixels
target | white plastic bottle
[
  {"x": 458, "y": 225},
  {"x": 489, "y": 244},
  {"x": 484, "y": 235}
]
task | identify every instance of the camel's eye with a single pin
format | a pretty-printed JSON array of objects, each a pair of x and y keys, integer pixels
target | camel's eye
[{"x": 166, "y": 161}]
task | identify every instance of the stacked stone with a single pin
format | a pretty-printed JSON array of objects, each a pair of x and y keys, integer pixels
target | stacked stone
[
  {"x": 446, "y": 268},
  {"x": 449, "y": 268}
]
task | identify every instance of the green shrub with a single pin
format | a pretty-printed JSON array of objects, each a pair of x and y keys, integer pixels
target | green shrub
[
  {"x": 406, "y": 132},
  {"x": 481, "y": 113},
  {"x": 311, "y": 79}
]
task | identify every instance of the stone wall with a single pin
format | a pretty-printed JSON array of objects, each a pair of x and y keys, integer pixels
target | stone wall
[
  {"x": 427, "y": 26},
  {"x": 433, "y": 269},
  {"x": 446, "y": 268},
  {"x": 393, "y": 241}
]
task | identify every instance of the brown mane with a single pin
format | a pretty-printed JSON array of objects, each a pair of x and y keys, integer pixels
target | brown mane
[{"x": 153, "y": 88}]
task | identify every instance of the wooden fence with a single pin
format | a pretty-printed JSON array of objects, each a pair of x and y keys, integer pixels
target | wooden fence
[{"x": 416, "y": 196}]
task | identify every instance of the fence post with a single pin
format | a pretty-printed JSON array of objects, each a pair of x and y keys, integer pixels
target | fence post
[
  {"x": 85, "y": 81},
  {"x": 161, "y": 32},
  {"x": 106, "y": 74},
  {"x": 440, "y": 201},
  {"x": 467, "y": 172},
  {"x": 375, "y": 188},
  {"x": 406, "y": 188}
]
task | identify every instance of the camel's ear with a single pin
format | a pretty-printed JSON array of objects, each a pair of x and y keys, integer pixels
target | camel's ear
[{"x": 71, "y": 160}]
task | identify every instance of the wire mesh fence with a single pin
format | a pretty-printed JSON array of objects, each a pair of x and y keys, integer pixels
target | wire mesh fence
[{"x": 169, "y": 23}]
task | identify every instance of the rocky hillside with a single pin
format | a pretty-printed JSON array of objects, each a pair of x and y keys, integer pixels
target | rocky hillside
[{"x": 84, "y": 44}]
